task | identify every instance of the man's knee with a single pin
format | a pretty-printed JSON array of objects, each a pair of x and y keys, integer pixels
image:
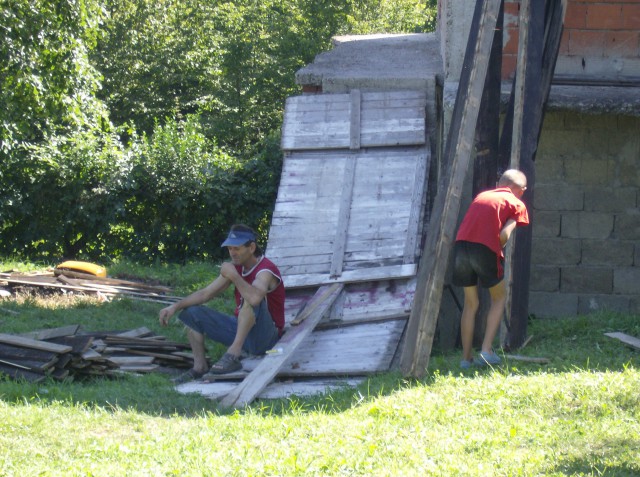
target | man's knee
[{"x": 247, "y": 313}]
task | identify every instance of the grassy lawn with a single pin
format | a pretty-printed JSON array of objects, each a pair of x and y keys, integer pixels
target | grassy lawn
[{"x": 577, "y": 415}]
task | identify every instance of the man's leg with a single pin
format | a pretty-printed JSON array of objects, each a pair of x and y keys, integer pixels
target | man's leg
[
  {"x": 203, "y": 322},
  {"x": 246, "y": 321},
  {"x": 196, "y": 340},
  {"x": 468, "y": 320},
  {"x": 494, "y": 317}
]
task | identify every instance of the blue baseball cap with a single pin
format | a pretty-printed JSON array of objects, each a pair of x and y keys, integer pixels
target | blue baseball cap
[{"x": 237, "y": 238}]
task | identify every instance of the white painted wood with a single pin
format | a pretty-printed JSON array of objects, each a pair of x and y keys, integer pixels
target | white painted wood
[
  {"x": 362, "y": 275},
  {"x": 269, "y": 366},
  {"x": 355, "y": 120},
  {"x": 339, "y": 243},
  {"x": 625, "y": 338},
  {"x": 325, "y": 121},
  {"x": 275, "y": 390}
]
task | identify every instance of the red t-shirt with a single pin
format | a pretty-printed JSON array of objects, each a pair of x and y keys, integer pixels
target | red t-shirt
[
  {"x": 275, "y": 298},
  {"x": 488, "y": 214}
]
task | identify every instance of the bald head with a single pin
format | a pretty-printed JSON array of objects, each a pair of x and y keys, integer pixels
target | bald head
[{"x": 513, "y": 177}]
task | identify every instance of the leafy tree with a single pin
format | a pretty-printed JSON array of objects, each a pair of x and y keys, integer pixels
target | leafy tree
[{"x": 47, "y": 83}]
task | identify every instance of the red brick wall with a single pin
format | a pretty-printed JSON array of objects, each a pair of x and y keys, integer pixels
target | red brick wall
[{"x": 592, "y": 29}]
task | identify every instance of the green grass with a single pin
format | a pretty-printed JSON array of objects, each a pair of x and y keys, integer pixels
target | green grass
[{"x": 577, "y": 415}]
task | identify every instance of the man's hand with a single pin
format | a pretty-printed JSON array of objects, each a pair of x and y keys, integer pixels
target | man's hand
[
  {"x": 165, "y": 314},
  {"x": 228, "y": 271}
]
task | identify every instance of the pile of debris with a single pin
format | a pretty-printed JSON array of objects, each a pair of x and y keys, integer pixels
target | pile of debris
[
  {"x": 86, "y": 283},
  {"x": 67, "y": 352}
]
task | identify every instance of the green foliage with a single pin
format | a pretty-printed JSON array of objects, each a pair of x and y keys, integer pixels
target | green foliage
[
  {"x": 62, "y": 200},
  {"x": 185, "y": 192},
  {"x": 47, "y": 83},
  {"x": 169, "y": 186},
  {"x": 391, "y": 16}
]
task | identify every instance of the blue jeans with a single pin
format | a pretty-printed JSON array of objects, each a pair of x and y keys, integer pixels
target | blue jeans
[{"x": 222, "y": 328}]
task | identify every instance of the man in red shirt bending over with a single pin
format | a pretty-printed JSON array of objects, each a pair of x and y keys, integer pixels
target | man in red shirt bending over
[
  {"x": 259, "y": 315},
  {"x": 478, "y": 257}
]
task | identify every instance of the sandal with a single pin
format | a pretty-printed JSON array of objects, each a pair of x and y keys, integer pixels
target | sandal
[
  {"x": 227, "y": 364},
  {"x": 191, "y": 375}
]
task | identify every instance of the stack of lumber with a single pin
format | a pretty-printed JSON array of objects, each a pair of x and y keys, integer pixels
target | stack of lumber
[
  {"x": 69, "y": 353},
  {"x": 71, "y": 281}
]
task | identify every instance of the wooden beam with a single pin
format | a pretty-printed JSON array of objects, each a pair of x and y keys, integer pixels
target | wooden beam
[
  {"x": 268, "y": 368},
  {"x": 544, "y": 45},
  {"x": 34, "y": 344},
  {"x": 487, "y": 140},
  {"x": 352, "y": 276},
  {"x": 626, "y": 339},
  {"x": 434, "y": 261},
  {"x": 354, "y": 130},
  {"x": 344, "y": 213}
]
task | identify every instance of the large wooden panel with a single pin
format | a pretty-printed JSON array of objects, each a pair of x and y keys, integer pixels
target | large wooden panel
[
  {"x": 341, "y": 212},
  {"x": 332, "y": 121}
]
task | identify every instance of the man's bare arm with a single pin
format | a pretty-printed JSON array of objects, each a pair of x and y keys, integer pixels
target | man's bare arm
[
  {"x": 506, "y": 231},
  {"x": 199, "y": 297},
  {"x": 255, "y": 292}
]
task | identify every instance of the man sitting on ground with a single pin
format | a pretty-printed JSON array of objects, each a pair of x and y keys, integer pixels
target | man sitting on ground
[{"x": 259, "y": 315}]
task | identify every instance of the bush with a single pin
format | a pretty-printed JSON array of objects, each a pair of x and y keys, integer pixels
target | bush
[
  {"x": 61, "y": 196},
  {"x": 184, "y": 192}
]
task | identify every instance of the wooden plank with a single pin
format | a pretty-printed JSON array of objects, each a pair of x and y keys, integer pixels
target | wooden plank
[
  {"x": 275, "y": 390},
  {"x": 354, "y": 127},
  {"x": 340, "y": 239},
  {"x": 52, "y": 332},
  {"x": 413, "y": 228},
  {"x": 34, "y": 344},
  {"x": 319, "y": 299},
  {"x": 626, "y": 339},
  {"x": 18, "y": 352},
  {"x": 251, "y": 386},
  {"x": 542, "y": 55},
  {"x": 18, "y": 373},
  {"x": 433, "y": 265},
  {"x": 323, "y": 121},
  {"x": 130, "y": 360},
  {"x": 350, "y": 276}
]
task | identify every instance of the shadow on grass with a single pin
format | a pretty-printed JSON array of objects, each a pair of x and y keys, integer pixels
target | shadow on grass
[{"x": 570, "y": 344}]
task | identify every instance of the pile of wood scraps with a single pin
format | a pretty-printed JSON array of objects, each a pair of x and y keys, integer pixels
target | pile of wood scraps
[
  {"x": 68, "y": 352},
  {"x": 77, "y": 282}
]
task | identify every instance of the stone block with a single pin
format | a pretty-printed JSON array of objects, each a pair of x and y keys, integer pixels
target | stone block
[
  {"x": 595, "y": 171},
  {"x": 610, "y": 200},
  {"x": 613, "y": 253},
  {"x": 556, "y": 252},
  {"x": 626, "y": 281},
  {"x": 628, "y": 171},
  {"x": 553, "y": 305},
  {"x": 558, "y": 197},
  {"x": 627, "y": 225},
  {"x": 587, "y": 225},
  {"x": 549, "y": 168},
  {"x": 544, "y": 279},
  {"x": 594, "y": 303},
  {"x": 546, "y": 224},
  {"x": 561, "y": 142},
  {"x": 586, "y": 280}
]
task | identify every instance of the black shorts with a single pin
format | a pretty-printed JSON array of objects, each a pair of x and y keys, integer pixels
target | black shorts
[{"x": 475, "y": 262}]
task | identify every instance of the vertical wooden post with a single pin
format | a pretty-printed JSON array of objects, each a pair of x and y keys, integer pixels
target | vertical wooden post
[
  {"x": 434, "y": 260},
  {"x": 541, "y": 55},
  {"x": 485, "y": 165}
]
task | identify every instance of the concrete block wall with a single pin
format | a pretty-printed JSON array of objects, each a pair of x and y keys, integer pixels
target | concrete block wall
[
  {"x": 586, "y": 214},
  {"x": 601, "y": 40}
]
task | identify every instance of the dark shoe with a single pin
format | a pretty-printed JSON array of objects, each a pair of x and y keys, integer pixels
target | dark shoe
[
  {"x": 191, "y": 375},
  {"x": 227, "y": 364}
]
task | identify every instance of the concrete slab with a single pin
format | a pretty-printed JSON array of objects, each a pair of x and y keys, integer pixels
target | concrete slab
[{"x": 376, "y": 62}]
